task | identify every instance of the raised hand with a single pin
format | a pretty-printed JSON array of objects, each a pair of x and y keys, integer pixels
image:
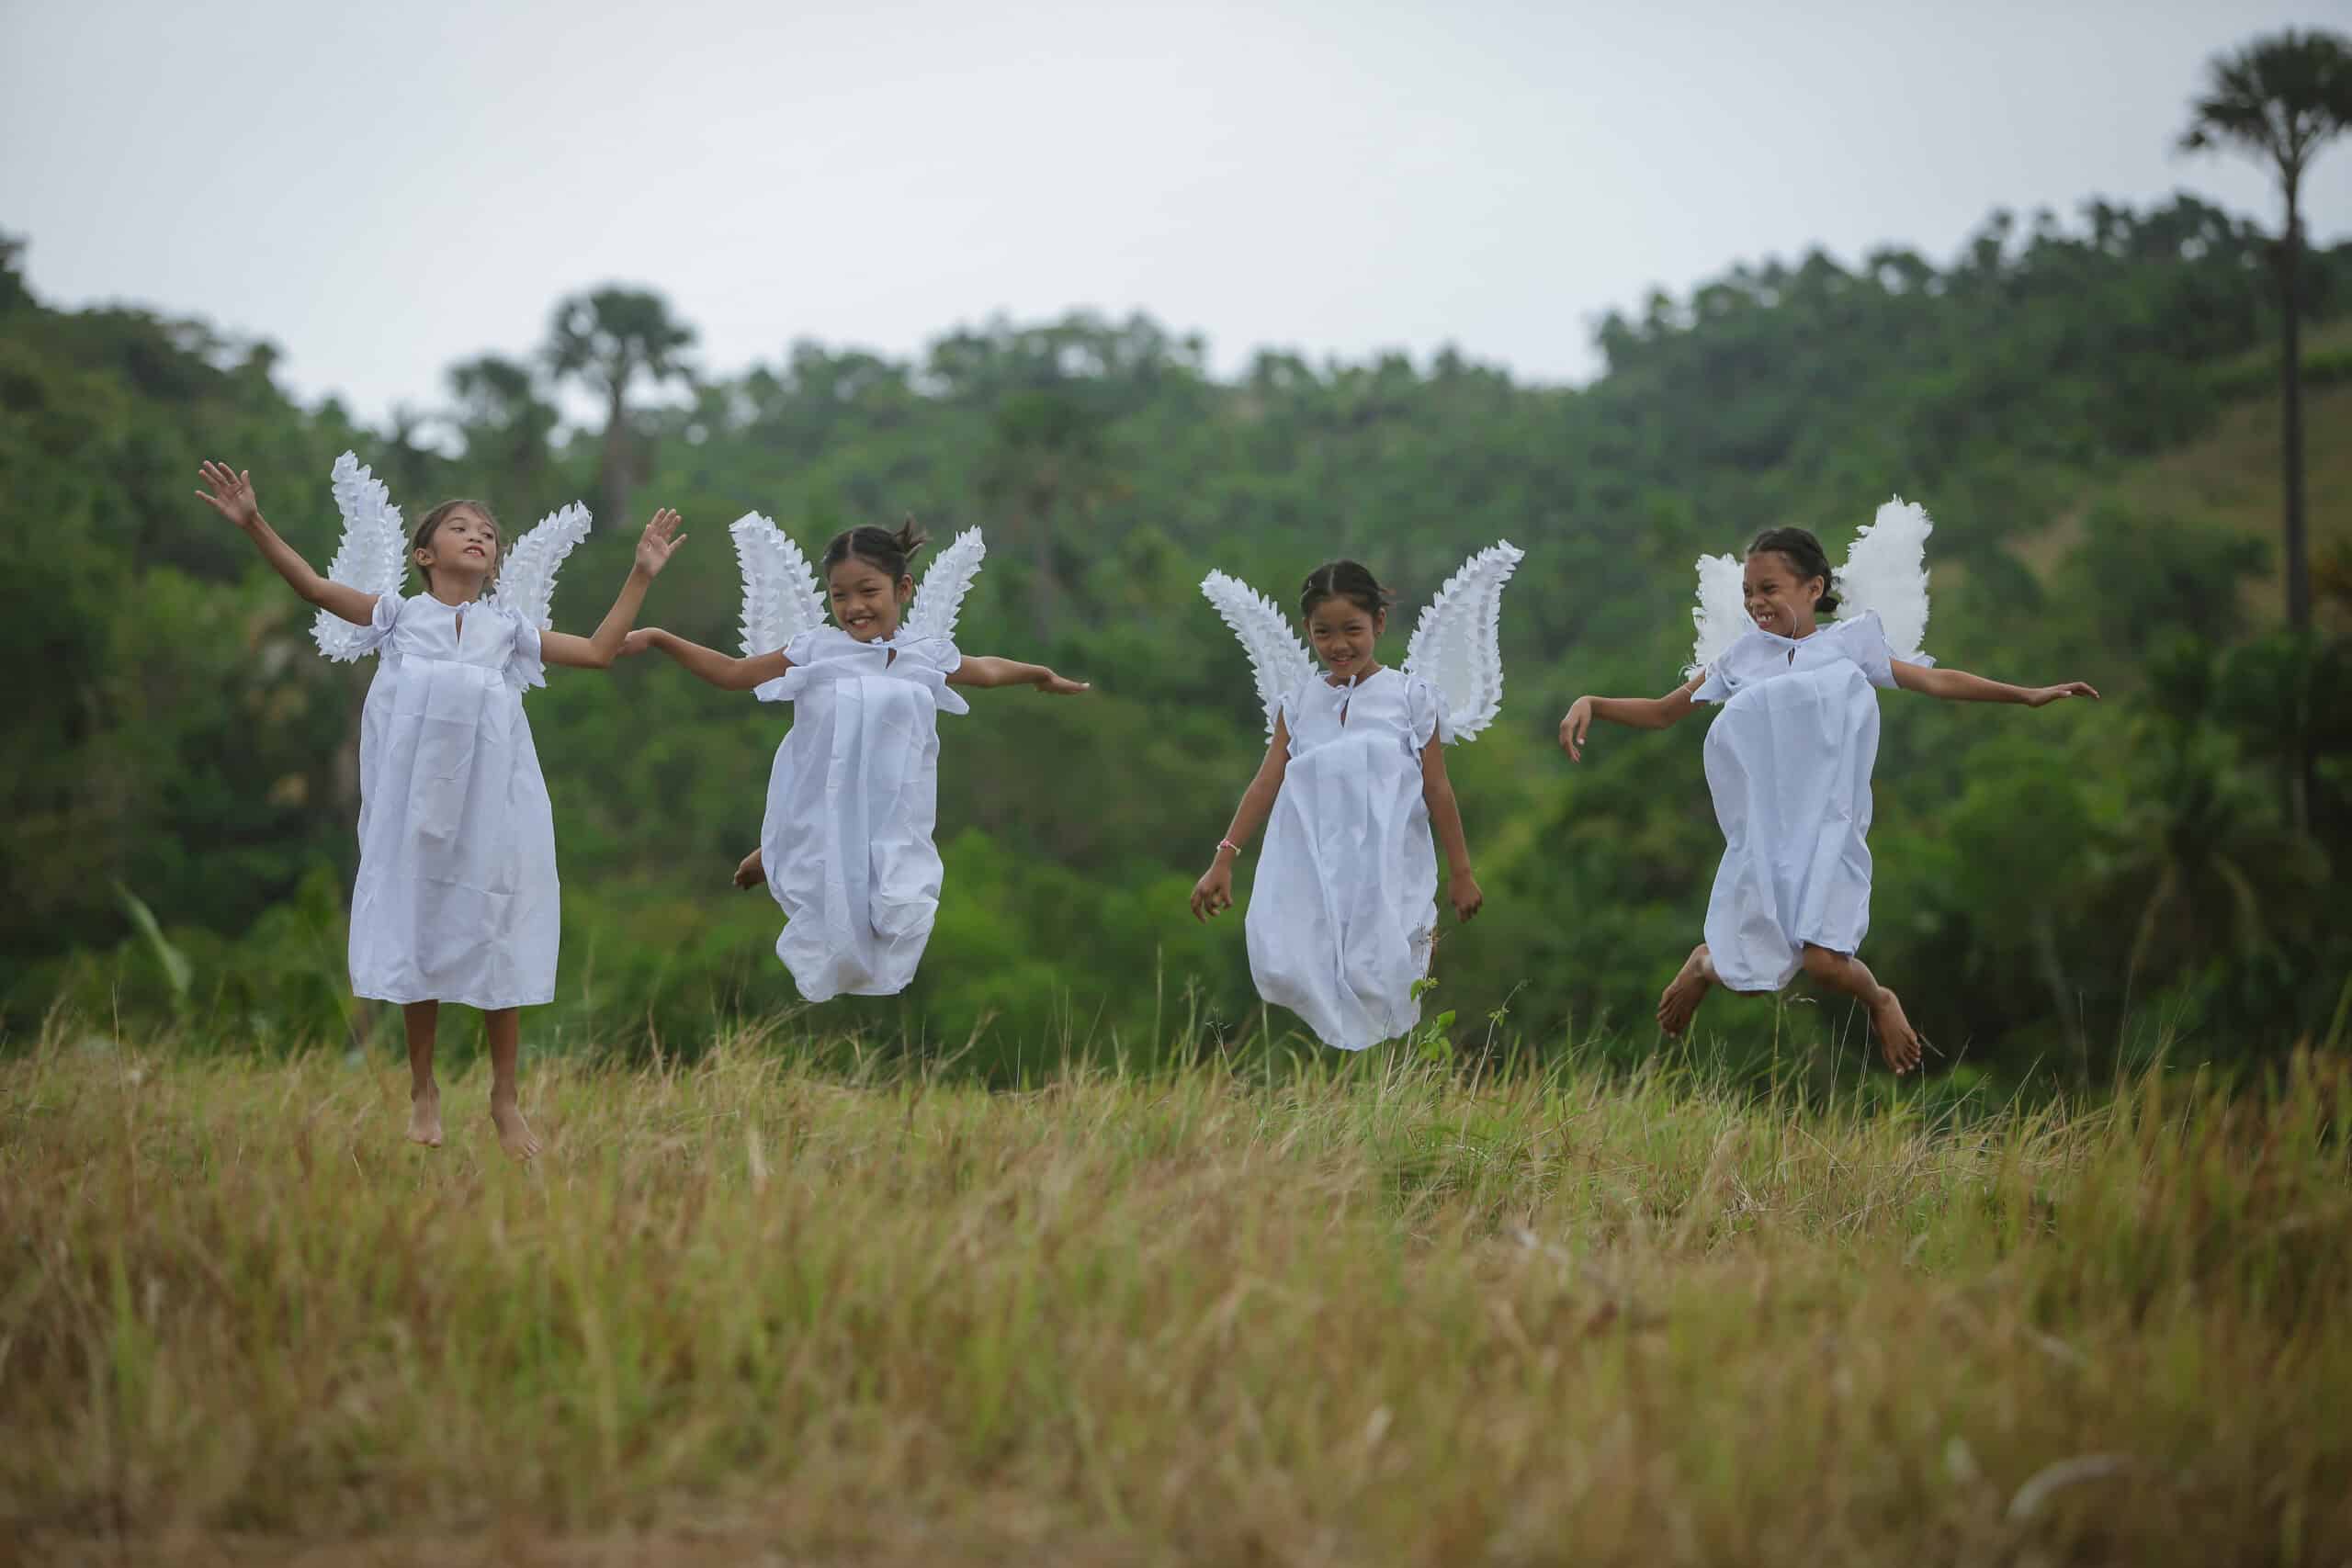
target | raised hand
[
  {"x": 1212, "y": 895},
  {"x": 2042, "y": 696},
  {"x": 659, "y": 538},
  {"x": 232, "y": 494},
  {"x": 1058, "y": 686},
  {"x": 1573, "y": 729}
]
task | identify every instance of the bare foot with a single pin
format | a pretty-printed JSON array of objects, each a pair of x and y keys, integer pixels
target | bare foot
[
  {"x": 514, "y": 1135},
  {"x": 753, "y": 872},
  {"x": 425, "y": 1118},
  {"x": 1684, "y": 993},
  {"x": 1897, "y": 1040}
]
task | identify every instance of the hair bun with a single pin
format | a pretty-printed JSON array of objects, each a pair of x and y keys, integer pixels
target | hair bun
[
  {"x": 909, "y": 536},
  {"x": 1826, "y": 606}
]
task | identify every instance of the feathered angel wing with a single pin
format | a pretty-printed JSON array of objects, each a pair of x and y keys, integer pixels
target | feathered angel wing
[
  {"x": 1886, "y": 571},
  {"x": 1721, "y": 614},
  {"x": 372, "y": 557},
  {"x": 1278, "y": 659},
  {"x": 1457, "y": 643},
  {"x": 940, "y": 597},
  {"x": 781, "y": 598},
  {"x": 526, "y": 577}
]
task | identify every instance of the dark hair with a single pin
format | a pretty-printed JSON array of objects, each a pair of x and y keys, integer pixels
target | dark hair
[
  {"x": 1352, "y": 581},
  {"x": 430, "y": 525},
  {"x": 885, "y": 550},
  {"x": 1806, "y": 557}
]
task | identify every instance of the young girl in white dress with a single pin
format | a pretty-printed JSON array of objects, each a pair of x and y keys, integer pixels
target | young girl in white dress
[
  {"x": 1788, "y": 757},
  {"x": 845, "y": 846},
  {"x": 1343, "y": 914},
  {"x": 457, "y": 898}
]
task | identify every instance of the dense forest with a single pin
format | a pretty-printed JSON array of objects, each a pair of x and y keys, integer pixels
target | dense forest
[{"x": 2063, "y": 890}]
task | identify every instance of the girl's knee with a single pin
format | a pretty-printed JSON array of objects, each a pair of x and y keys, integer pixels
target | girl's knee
[{"x": 1820, "y": 964}]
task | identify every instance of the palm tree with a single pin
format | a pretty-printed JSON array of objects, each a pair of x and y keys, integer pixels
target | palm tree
[
  {"x": 607, "y": 339},
  {"x": 2282, "y": 99}
]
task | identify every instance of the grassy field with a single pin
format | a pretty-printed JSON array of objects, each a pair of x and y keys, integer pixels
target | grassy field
[{"x": 770, "y": 1309}]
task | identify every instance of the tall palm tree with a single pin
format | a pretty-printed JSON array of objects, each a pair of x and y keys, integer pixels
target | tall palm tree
[
  {"x": 2283, "y": 98},
  {"x": 607, "y": 339}
]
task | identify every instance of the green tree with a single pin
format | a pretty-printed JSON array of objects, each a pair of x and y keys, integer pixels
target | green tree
[
  {"x": 608, "y": 340},
  {"x": 503, "y": 420},
  {"x": 2282, "y": 99}
]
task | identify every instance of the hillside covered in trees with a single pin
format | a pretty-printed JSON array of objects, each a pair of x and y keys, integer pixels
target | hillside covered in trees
[{"x": 2081, "y": 405}]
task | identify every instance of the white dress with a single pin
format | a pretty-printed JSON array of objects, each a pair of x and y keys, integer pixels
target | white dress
[
  {"x": 852, "y": 800},
  {"x": 457, "y": 898},
  {"x": 1344, "y": 909},
  {"x": 1789, "y": 764}
]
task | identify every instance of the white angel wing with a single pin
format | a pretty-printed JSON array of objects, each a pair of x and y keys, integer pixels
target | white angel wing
[
  {"x": 1457, "y": 643},
  {"x": 526, "y": 577},
  {"x": 1721, "y": 615},
  {"x": 1886, "y": 571},
  {"x": 1278, "y": 659},
  {"x": 372, "y": 557},
  {"x": 781, "y": 598},
  {"x": 940, "y": 597}
]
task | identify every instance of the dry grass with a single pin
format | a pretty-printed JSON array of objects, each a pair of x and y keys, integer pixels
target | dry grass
[{"x": 759, "y": 1311}]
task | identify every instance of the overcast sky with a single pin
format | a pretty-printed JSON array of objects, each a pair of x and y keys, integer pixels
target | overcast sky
[{"x": 383, "y": 190}]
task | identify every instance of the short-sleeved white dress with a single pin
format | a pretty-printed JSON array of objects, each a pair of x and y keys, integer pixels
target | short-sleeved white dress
[
  {"x": 1344, "y": 908},
  {"x": 1789, "y": 763},
  {"x": 852, "y": 800},
  {"x": 457, "y": 898}
]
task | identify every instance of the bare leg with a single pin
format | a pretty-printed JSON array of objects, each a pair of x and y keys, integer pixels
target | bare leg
[
  {"x": 423, "y": 1020},
  {"x": 505, "y": 1029},
  {"x": 753, "y": 872},
  {"x": 1686, "y": 991},
  {"x": 1897, "y": 1041}
]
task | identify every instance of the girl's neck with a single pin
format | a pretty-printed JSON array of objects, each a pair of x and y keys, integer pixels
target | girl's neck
[
  {"x": 1366, "y": 673},
  {"x": 455, "y": 597}
]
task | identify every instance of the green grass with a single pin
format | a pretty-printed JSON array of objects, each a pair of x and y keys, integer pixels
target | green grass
[{"x": 771, "y": 1309}]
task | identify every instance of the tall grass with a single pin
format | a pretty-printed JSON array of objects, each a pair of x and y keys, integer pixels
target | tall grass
[{"x": 1366, "y": 1313}]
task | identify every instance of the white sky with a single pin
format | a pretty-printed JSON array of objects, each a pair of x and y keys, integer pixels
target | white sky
[{"x": 385, "y": 189}]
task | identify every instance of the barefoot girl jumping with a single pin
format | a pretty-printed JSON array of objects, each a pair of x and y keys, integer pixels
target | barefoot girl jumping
[
  {"x": 1343, "y": 914},
  {"x": 1788, "y": 759},
  {"x": 845, "y": 846},
  {"x": 457, "y": 898}
]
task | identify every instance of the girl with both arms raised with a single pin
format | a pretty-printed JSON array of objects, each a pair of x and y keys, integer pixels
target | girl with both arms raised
[
  {"x": 845, "y": 845},
  {"x": 1343, "y": 917},
  {"x": 457, "y": 898},
  {"x": 1788, "y": 759}
]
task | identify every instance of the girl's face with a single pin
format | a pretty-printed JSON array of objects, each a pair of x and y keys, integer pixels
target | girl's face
[
  {"x": 1777, "y": 599},
  {"x": 1344, "y": 634},
  {"x": 464, "y": 548},
  {"x": 867, "y": 603}
]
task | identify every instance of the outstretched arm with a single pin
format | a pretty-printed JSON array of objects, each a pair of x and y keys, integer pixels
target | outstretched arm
[
  {"x": 1635, "y": 713},
  {"x": 597, "y": 652},
  {"x": 231, "y": 496},
  {"x": 1960, "y": 686},
  {"x": 1445, "y": 818},
  {"x": 981, "y": 671},
  {"x": 728, "y": 674},
  {"x": 1212, "y": 895}
]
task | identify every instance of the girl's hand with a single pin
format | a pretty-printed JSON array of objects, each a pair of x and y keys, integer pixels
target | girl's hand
[
  {"x": 1054, "y": 685},
  {"x": 232, "y": 494},
  {"x": 640, "y": 640},
  {"x": 2042, "y": 696},
  {"x": 1572, "y": 731},
  {"x": 660, "y": 537},
  {"x": 1466, "y": 897},
  {"x": 752, "y": 872},
  {"x": 1213, "y": 894}
]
